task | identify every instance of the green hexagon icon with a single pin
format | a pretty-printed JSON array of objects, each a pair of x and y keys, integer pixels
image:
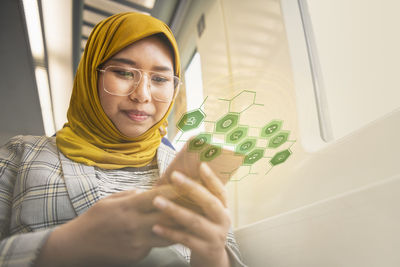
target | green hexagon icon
[
  {"x": 210, "y": 153},
  {"x": 200, "y": 142},
  {"x": 278, "y": 139},
  {"x": 245, "y": 146},
  {"x": 271, "y": 128},
  {"x": 280, "y": 157},
  {"x": 236, "y": 135},
  {"x": 253, "y": 156},
  {"x": 191, "y": 120},
  {"x": 227, "y": 122}
]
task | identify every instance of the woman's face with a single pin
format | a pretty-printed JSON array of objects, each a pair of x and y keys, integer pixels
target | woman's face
[{"x": 136, "y": 113}]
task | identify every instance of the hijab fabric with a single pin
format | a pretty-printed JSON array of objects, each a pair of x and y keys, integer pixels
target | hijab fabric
[{"x": 89, "y": 136}]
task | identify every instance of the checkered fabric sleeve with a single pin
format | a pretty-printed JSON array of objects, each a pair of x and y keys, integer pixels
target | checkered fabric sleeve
[{"x": 19, "y": 249}]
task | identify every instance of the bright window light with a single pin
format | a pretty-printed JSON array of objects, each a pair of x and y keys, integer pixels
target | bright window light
[
  {"x": 146, "y": 3},
  {"x": 45, "y": 101},
  {"x": 194, "y": 83},
  {"x": 35, "y": 35},
  {"x": 194, "y": 94},
  {"x": 34, "y": 28}
]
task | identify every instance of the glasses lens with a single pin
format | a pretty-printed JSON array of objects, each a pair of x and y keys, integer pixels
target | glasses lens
[
  {"x": 163, "y": 86},
  {"x": 120, "y": 81},
  {"x": 123, "y": 81}
]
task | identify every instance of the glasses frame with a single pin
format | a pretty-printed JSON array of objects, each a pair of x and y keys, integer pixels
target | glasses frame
[{"x": 141, "y": 71}]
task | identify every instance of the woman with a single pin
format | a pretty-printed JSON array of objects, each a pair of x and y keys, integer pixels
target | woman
[{"x": 60, "y": 199}]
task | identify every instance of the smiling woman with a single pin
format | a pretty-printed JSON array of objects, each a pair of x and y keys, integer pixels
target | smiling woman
[
  {"x": 77, "y": 199},
  {"x": 126, "y": 93}
]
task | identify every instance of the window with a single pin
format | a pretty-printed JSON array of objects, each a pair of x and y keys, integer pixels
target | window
[
  {"x": 194, "y": 83},
  {"x": 194, "y": 94}
]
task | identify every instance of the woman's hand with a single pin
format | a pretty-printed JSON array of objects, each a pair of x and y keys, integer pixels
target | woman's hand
[
  {"x": 204, "y": 234},
  {"x": 115, "y": 231}
]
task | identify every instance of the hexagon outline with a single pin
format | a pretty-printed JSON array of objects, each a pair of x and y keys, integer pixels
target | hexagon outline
[
  {"x": 247, "y": 160},
  {"x": 268, "y": 125},
  {"x": 272, "y": 142},
  {"x": 195, "y": 124},
  {"x": 252, "y": 140},
  {"x": 222, "y": 121},
  {"x": 228, "y": 136},
  {"x": 280, "y": 157},
  {"x": 204, "y": 157},
  {"x": 194, "y": 147}
]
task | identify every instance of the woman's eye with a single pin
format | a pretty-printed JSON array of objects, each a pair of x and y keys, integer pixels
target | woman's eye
[
  {"x": 159, "y": 79},
  {"x": 124, "y": 73}
]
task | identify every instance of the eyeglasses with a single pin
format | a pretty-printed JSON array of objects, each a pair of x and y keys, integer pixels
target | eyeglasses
[{"x": 122, "y": 81}]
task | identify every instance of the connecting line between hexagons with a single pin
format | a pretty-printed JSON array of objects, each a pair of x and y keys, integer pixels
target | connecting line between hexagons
[
  {"x": 231, "y": 172},
  {"x": 254, "y": 104},
  {"x": 268, "y": 171},
  {"x": 244, "y": 91},
  {"x": 204, "y": 101},
  {"x": 179, "y": 138},
  {"x": 244, "y": 176},
  {"x": 291, "y": 141}
]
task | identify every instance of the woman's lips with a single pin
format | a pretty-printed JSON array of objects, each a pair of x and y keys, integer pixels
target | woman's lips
[{"x": 136, "y": 115}]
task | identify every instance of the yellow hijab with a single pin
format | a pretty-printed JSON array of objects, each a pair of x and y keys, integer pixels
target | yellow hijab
[{"x": 89, "y": 136}]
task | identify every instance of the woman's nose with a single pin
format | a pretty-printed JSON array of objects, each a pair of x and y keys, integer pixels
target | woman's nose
[{"x": 142, "y": 91}]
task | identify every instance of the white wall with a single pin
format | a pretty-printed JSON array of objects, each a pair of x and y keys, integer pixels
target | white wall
[
  {"x": 358, "y": 44},
  {"x": 341, "y": 206},
  {"x": 337, "y": 205}
]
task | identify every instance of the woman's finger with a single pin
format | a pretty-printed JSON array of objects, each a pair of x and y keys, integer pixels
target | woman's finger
[
  {"x": 144, "y": 201},
  {"x": 213, "y": 183},
  {"x": 191, "y": 221},
  {"x": 179, "y": 236},
  {"x": 211, "y": 205}
]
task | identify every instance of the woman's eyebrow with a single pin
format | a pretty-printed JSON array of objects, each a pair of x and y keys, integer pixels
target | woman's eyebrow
[
  {"x": 124, "y": 60},
  {"x": 162, "y": 68},
  {"x": 133, "y": 63}
]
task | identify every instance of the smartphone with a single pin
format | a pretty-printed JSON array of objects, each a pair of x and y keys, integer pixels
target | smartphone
[{"x": 222, "y": 160}]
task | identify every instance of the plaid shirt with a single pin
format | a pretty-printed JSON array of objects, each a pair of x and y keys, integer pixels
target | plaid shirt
[{"x": 40, "y": 188}]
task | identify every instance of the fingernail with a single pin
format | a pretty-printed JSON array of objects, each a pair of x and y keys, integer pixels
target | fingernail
[
  {"x": 177, "y": 177},
  {"x": 160, "y": 202}
]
